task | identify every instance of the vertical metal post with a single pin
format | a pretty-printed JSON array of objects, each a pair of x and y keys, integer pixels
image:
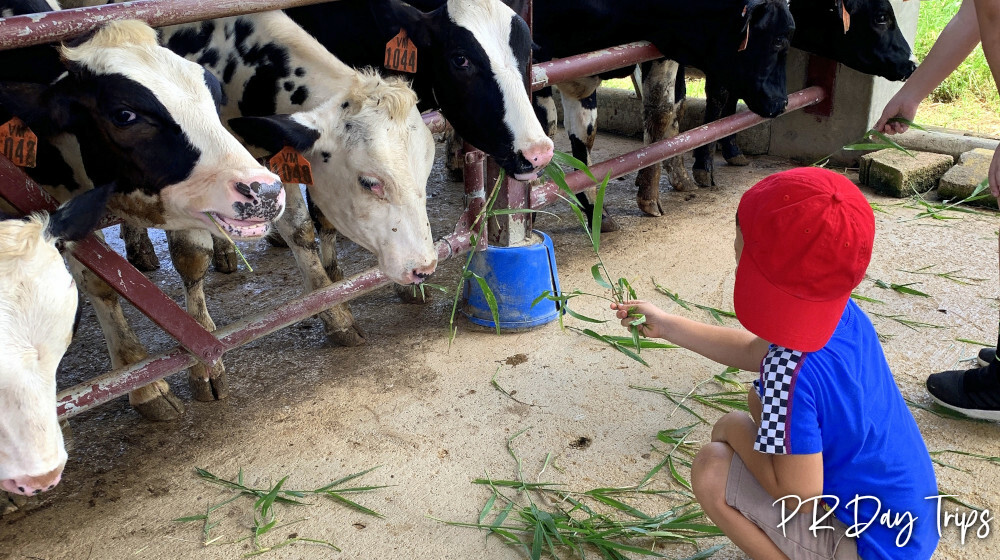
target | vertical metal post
[{"x": 509, "y": 230}]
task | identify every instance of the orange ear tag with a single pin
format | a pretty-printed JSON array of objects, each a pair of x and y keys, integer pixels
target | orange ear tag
[
  {"x": 401, "y": 53},
  {"x": 746, "y": 39},
  {"x": 846, "y": 17},
  {"x": 18, "y": 143},
  {"x": 291, "y": 166}
]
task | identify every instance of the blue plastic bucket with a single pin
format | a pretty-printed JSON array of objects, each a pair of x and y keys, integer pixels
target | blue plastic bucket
[{"x": 516, "y": 275}]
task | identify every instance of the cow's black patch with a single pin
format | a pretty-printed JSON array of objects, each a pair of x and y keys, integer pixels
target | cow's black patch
[
  {"x": 149, "y": 154},
  {"x": 579, "y": 148},
  {"x": 590, "y": 102},
  {"x": 289, "y": 86},
  {"x": 520, "y": 36},
  {"x": 300, "y": 71},
  {"x": 227, "y": 72},
  {"x": 190, "y": 40},
  {"x": 215, "y": 88},
  {"x": 300, "y": 95},
  {"x": 270, "y": 64},
  {"x": 209, "y": 58},
  {"x": 326, "y": 156}
]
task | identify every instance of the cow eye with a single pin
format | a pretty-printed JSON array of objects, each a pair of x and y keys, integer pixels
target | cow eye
[
  {"x": 460, "y": 61},
  {"x": 372, "y": 184},
  {"x": 123, "y": 117},
  {"x": 882, "y": 19}
]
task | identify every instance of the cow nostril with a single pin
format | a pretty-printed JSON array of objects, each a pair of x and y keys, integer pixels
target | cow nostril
[
  {"x": 244, "y": 189},
  {"x": 51, "y": 486},
  {"x": 21, "y": 489},
  {"x": 37, "y": 491}
]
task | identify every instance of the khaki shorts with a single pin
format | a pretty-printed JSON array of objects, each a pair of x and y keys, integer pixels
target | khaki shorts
[{"x": 744, "y": 493}]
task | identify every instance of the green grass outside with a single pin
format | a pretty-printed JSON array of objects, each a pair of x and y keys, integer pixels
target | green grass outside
[{"x": 966, "y": 100}]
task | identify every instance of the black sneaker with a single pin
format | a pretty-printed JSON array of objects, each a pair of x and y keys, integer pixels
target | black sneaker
[
  {"x": 986, "y": 356},
  {"x": 974, "y": 392}
]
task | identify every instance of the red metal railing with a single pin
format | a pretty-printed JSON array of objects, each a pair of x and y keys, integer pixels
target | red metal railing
[{"x": 22, "y": 31}]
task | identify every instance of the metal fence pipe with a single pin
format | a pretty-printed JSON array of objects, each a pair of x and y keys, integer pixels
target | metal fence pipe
[
  {"x": 587, "y": 64},
  {"x": 659, "y": 151},
  {"x": 48, "y": 27}
]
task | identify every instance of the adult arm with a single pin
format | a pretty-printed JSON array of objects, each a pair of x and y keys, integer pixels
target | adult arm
[
  {"x": 989, "y": 20},
  {"x": 956, "y": 41}
]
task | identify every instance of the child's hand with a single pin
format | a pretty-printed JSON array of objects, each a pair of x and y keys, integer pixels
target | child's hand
[{"x": 631, "y": 311}]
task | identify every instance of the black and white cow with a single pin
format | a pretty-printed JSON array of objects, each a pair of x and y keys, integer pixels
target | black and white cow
[
  {"x": 38, "y": 301},
  {"x": 472, "y": 59},
  {"x": 861, "y": 34},
  {"x": 742, "y": 42},
  {"x": 371, "y": 154},
  {"x": 119, "y": 108}
]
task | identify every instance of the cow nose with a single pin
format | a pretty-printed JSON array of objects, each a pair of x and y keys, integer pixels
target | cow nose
[
  {"x": 258, "y": 190},
  {"x": 32, "y": 485},
  {"x": 539, "y": 154},
  {"x": 419, "y": 274}
]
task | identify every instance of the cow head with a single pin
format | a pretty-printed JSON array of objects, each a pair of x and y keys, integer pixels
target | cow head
[
  {"x": 862, "y": 34},
  {"x": 141, "y": 116},
  {"x": 755, "y": 66},
  {"x": 371, "y": 155},
  {"x": 38, "y": 302},
  {"x": 478, "y": 53}
]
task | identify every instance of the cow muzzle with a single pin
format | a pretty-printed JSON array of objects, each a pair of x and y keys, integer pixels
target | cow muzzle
[
  {"x": 32, "y": 485},
  {"x": 254, "y": 206}
]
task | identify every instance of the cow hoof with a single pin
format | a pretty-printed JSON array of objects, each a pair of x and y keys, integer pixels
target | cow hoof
[
  {"x": 739, "y": 160},
  {"x": 350, "y": 337},
  {"x": 143, "y": 257},
  {"x": 650, "y": 207},
  {"x": 163, "y": 408},
  {"x": 682, "y": 182},
  {"x": 215, "y": 388},
  {"x": 608, "y": 224},
  {"x": 274, "y": 239},
  {"x": 704, "y": 178},
  {"x": 413, "y": 294},
  {"x": 224, "y": 259}
]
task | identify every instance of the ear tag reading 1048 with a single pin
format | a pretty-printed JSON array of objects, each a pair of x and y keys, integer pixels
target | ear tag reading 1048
[
  {"x": 401, "y": 53},
  {"x": 18, "y": 143},
  {"x": 291, "y": 166}
]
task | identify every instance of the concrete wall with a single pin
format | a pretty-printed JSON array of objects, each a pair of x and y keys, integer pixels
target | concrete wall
[{"x": 858, "y": 100}]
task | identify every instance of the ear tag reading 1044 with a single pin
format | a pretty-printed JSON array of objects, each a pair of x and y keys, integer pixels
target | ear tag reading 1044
[
  {"x": 401, "y": 53},
  {"x": 291, "y": 166},
  {"x": 18, "y": 143}
]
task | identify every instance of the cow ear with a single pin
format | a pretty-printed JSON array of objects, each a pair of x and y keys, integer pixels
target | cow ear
[
  {"x": 80, "y": 215},
  {"x": 748, "y": 11},
  {"x": 274, "y": 132},
  {"x": 40, "y": 106},
  {"x": 393, "y": 15},
  {"x": 840, "y": 8}
]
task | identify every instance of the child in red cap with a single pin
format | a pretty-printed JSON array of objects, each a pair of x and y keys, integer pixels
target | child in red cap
[{"x": 829, "y": 435}]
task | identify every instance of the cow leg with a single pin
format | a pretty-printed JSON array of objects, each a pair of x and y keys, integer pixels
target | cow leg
[
  {"x": 192, "y": 251},
  {"x": 138, "y": 248},
  {"x": 730, "y": 151},
  {"x": 579, "y": 99},
  {"x": 455, "y": 155},
  {"x": 717, "y": 99},
  {"x": 154, "y": 401},
  {"x": 297, "y": 229},
  {"x": 545, "y": 110},
  {"x": 224, "y": 258}
]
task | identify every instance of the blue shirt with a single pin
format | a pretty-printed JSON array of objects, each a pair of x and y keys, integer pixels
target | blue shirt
[{"x": 843, "y": 401}]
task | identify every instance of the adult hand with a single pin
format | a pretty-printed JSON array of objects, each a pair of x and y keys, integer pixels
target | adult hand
[{"x": 899, "y": 106}]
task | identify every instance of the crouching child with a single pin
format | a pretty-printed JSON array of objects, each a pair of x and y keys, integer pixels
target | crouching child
[{"x": 829, "y": 447}]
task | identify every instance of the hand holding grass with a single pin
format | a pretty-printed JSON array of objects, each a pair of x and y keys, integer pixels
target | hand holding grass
[{"x": 647, "y": 317}]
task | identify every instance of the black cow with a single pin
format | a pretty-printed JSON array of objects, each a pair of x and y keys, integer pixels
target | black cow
[
  {"x": 472, "y": 57},
  {"x": 861, "y": 34},
  {"x": 742, "y": 42},
  {"x": 115, "y": 107}
]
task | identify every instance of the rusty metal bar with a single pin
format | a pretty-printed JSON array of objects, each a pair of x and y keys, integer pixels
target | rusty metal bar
[
  {"x": 27, "y": 196},
  {"x": 588, "y": 64},
  {"x": 659, "y": 151},
  {"x": 36, "y": 29}
]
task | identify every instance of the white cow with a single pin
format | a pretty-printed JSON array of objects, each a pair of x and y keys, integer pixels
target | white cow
[{"x": 38, "y": 300}]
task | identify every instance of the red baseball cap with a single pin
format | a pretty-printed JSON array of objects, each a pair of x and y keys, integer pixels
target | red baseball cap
[{"x": 807, "y": 241}]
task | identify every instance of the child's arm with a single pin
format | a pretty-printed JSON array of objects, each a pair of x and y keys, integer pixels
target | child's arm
[
  {"x": 727, "y": 346},
  {"x": 780, "y": 475}
]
